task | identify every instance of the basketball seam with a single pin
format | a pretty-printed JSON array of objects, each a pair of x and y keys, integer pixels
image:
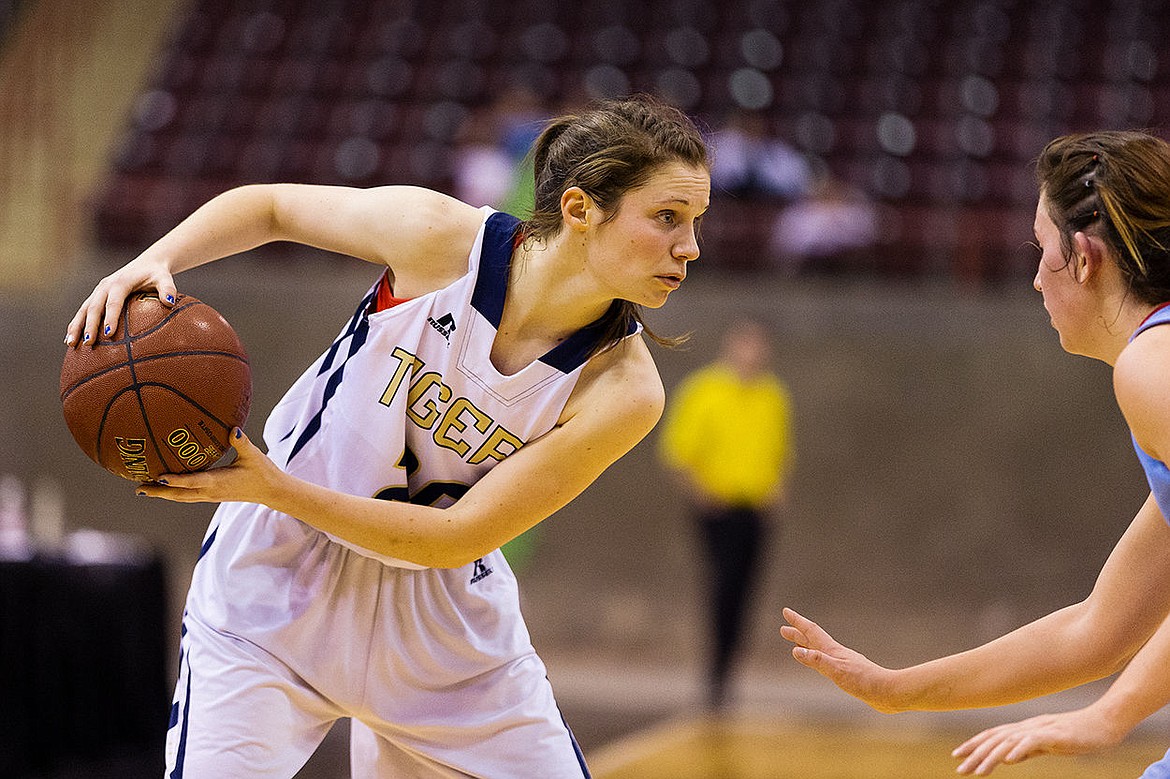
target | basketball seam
[
  {"x": 136, "y": 387},
  {"x": 143, "y": 360}
]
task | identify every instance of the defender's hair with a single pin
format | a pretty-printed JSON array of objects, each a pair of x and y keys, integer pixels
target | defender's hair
[{"x": 1114, "y": 185}]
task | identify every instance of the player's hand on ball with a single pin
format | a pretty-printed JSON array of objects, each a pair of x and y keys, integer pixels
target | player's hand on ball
[
  {"x": 849, "y": 670},
  {"x": 99, "y": 313},
  {"x": 1072, "y": 733},
  {"x": 251, "y": 478}
]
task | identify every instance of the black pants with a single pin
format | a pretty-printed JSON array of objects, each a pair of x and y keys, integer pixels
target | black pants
[{"x": 732, "y": 538}]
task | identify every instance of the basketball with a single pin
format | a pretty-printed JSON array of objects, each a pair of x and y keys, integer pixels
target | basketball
[{"x": 162, "y": 393}]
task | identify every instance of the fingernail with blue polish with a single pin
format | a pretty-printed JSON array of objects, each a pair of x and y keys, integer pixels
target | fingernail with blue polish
[
  {"x": 239, "y": 433},
  {"x": 170, "y": 298},
  {"x": 87, "y": 337},
  {"x": 107, "y": 330},
  {"x": 140, "y": 494},
  {"x": 163, "y": 481}
]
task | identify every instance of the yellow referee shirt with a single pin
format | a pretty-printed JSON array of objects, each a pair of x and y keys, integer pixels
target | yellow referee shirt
[{"x": 732, "y": 437}]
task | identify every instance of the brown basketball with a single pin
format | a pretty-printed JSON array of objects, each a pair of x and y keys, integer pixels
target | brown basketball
[{"x": 162, "y": 393}]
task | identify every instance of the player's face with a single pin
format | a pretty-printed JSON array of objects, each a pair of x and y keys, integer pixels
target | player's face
[
  {"x": 1065, "y": 298},
  {"x": 641, "y": 254}
]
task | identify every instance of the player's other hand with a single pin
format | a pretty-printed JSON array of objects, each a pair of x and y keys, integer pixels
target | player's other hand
[
  {"x": 1072, "y": 733},
  {"x": 251, "y": 478},
  {"x": 99, "y": 313},
  {"x": 849, "y": 670}
]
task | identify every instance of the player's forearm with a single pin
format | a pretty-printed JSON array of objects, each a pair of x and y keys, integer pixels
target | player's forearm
[
  {"x": 1141, "y": 689},
  {"x": 424, "y": 535},
  {"x": 1051, "y": 654},
  {"x": 232, "y": 222}
]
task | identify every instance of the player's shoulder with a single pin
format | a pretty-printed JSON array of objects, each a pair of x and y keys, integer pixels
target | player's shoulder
[
  {"x": 424, "y": 236},
  {"x": 428, "y": 216},
  {"x": 623, "y": 383},
  {"x": 1145, "y": 358},
  {"x": 1141, "y": 379}
]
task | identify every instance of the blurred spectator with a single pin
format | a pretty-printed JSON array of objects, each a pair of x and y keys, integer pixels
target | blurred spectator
[
  {"x": 727, "y": 435},
  {"x": 750, "y": 161},
  {"x": 826, "y": 230},
  {"x": 483, "y": 172},
  {"x": 491, "y": 166}
]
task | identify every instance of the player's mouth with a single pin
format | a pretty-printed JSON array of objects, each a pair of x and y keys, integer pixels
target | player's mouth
[{"x": 672, "y": 280}]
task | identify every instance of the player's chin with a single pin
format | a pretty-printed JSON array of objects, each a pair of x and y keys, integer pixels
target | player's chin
[{"x": 655, "y": 299}]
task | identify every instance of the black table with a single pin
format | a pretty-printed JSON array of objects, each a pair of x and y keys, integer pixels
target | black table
[{"x": 83, "y": 669}]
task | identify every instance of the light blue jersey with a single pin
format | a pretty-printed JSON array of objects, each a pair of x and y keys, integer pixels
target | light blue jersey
[{"x": 1157, "y": 474}]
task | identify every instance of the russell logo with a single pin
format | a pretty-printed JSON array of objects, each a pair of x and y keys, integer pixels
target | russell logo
[
  {"x": 479, "y": 571},
  {"x": 444, "y": 324}
]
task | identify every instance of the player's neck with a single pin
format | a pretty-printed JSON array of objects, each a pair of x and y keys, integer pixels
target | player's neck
[{"x": 549, "y": 290}]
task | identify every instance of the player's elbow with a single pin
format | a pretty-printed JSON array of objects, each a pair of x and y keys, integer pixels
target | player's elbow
[
  {"x": 1106, "y": 645},
  {"x": 464, "y": 541}
]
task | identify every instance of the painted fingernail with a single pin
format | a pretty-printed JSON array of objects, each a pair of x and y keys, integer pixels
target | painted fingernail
[
  {"x": 140, "y": 494},
  {"x": 170, "y": 298},
  {"x": 163, "y": 481},
  {"x": 107, "y": 330},
  {"x": 239, "y": 433},
  {"x": 87, "y": 337}
]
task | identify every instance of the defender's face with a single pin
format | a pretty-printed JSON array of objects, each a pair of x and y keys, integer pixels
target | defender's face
[
  {"x": 641, "y": 254},
  {"x": 1064, "y": 297}
]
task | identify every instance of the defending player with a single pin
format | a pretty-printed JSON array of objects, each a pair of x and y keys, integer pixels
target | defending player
[
  {"x": 1103, "y": 228},
  {"x": 486, "y": 380}
]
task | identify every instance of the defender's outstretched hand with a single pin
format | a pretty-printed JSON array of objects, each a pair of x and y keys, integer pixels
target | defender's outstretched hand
[
  {"x": 1071, "y": 733},
  {"x": 252, "y": 478},
  {"x": 849, "y": 670}
]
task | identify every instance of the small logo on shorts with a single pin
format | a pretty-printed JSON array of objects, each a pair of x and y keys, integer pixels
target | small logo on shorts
[
  {"x": 444, "y": 324},
  {"x": 479, "y": 570}
]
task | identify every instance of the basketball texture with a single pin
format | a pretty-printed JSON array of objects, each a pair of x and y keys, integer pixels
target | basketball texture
[{"x": 162, "y": 393}]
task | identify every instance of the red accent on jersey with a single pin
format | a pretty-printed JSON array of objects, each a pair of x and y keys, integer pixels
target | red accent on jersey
[
  {"x": 1156, "y": 310},
  {"x": 384, "y": 297}
]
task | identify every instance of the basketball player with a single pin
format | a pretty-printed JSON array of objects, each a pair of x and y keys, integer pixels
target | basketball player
[
  {"x": 1103, "y": 229},
  {"x": 488, "y": 377}
]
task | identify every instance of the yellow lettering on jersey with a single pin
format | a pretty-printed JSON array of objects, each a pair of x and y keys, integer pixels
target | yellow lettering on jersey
[
  {"x": 428, "y": 411},
  {"x": 429, "y": 405},
  {"x": 407, "y": 362},
  {"x": 497, "y": 446},
  {"x": 453, "y": 420}
]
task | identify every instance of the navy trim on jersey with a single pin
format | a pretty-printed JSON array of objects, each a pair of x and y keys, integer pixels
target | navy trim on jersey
[
  {"x": 491, "y": 287},
  {"x": 495, "y": 258},
  {"x": 575, "y": 350},
  {"x": 181, "y": 752},
  {"x": 356, "y": 331},
  {"x": 207, "y": 544},
  {"x": 576, "y": 748}
]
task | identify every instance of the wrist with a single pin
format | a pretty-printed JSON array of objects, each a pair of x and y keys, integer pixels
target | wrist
[{"x": 1116, "y": 716}]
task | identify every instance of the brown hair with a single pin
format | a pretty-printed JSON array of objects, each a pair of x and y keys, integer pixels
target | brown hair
[
  {"x": 608, "y": 150},
  {"x": 1114, "y": 185}
]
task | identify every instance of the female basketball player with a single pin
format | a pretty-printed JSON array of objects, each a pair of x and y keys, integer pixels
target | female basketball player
[
  {"x": 488, "y": 377},
  {"x": 1103, "y": 229}
]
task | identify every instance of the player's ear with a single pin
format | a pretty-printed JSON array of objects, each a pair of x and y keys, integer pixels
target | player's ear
[
  {"x": 576, "y": 206},
  {"x": 1089, "y": 253}
]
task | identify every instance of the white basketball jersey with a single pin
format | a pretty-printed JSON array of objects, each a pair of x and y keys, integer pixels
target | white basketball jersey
[{"x": 406, "y": 404}]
